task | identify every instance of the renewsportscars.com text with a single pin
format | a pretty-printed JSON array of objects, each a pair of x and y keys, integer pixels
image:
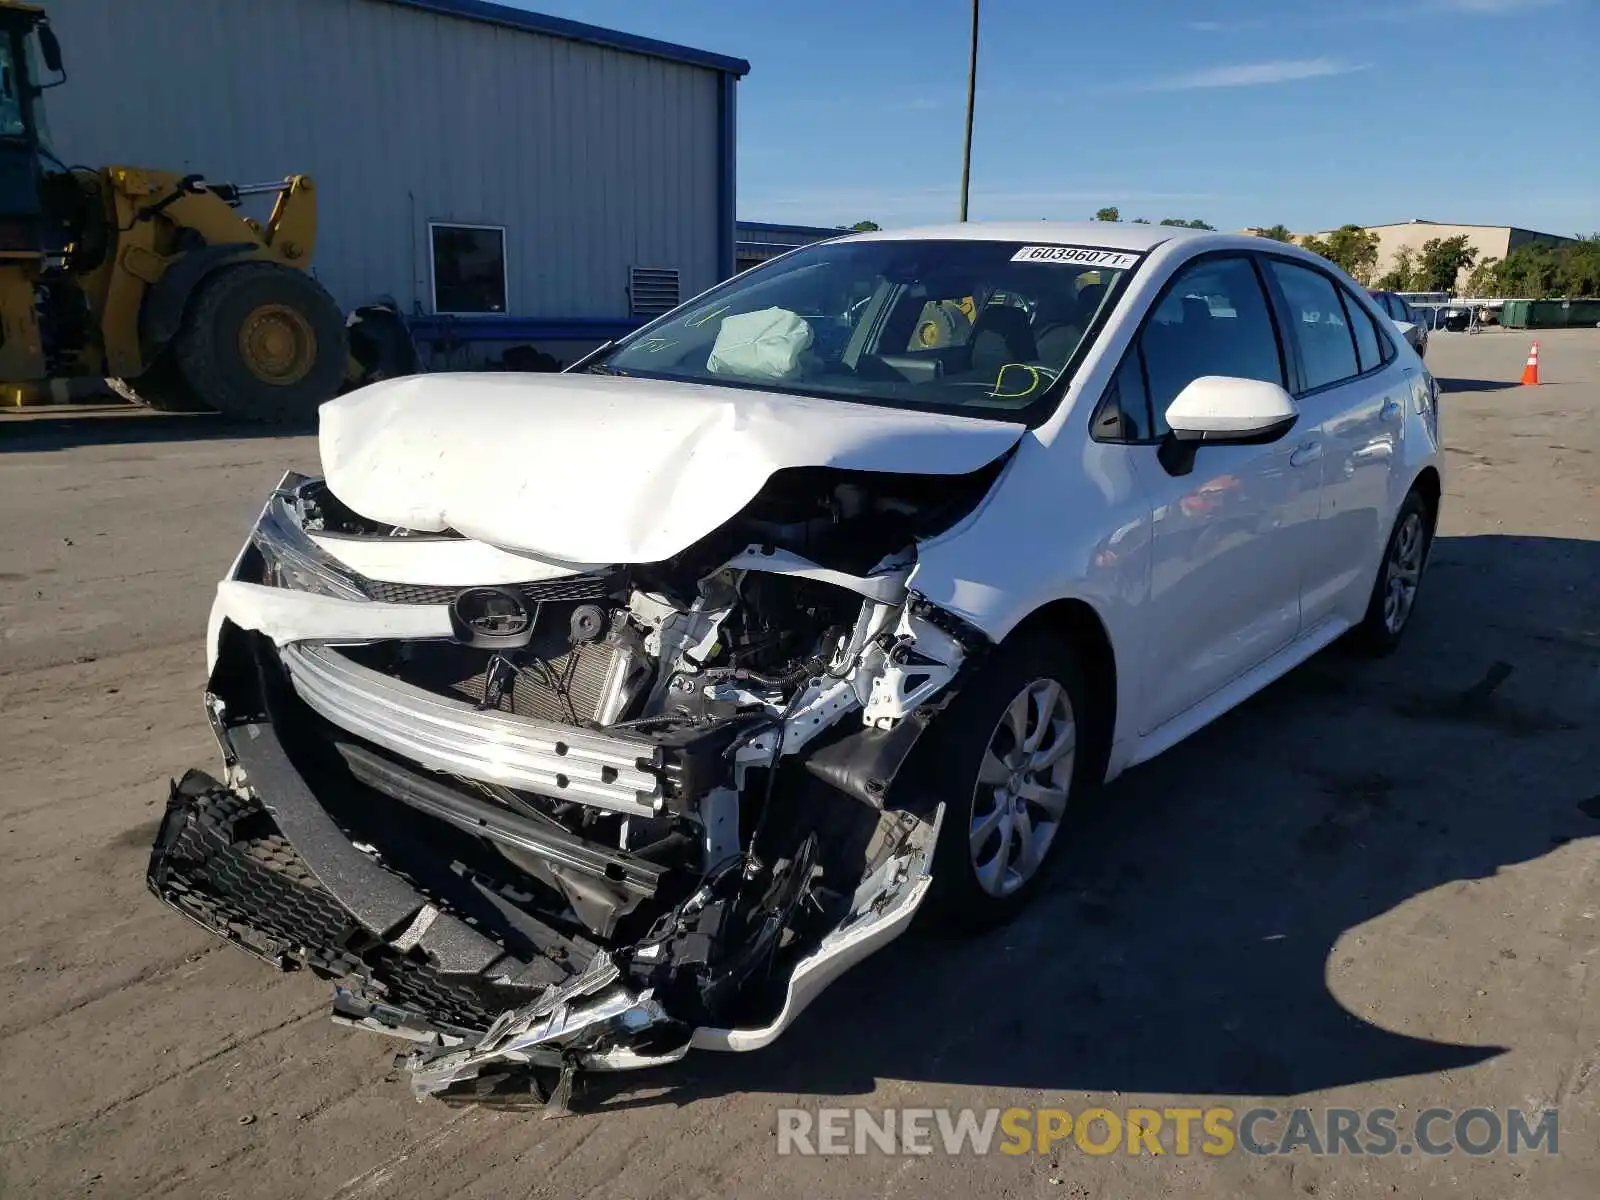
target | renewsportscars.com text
[{"x": 1211, "y": 1131}]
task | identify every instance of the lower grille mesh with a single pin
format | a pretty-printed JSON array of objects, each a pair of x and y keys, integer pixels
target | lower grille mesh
[
  {"x": 572, "y": 587},
  {"x": 229, "y": 869}
]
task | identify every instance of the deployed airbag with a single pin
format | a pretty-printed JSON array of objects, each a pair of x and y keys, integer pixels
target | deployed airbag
[{"x": 761, "y": 345}]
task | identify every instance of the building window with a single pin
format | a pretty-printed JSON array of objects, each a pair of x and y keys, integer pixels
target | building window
[
  {"x": 652, "y": 290},
  {"x": 469, "y": 268}
]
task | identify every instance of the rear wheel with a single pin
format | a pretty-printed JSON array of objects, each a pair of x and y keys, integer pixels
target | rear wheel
[
  {"x": 1394, "y": 594},
  {"x": 262, "y": 342}
]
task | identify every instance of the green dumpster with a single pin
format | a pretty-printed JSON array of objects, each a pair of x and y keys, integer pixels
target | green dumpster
[{"x": 1550, "y": 314}]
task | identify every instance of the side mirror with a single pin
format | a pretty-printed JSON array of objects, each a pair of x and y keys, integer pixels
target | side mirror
[
  {"x": 1222, "y": 410},
  {"x": 50, "y": 50},
  {"x": 1219, "y": 408}
]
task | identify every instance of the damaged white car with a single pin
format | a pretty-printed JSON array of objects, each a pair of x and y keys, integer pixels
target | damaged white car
[{"x": 575, "y": 721}]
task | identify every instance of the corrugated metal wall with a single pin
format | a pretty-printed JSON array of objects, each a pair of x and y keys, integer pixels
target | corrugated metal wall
[
  {"x": 594, "y": 159},
  {"x": 758, "y": 233},
  {"x": 757, "y": 242}
]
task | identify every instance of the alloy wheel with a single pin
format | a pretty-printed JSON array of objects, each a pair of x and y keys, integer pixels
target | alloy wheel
[
  {"x": 1021, "y": 793},
  {"x": 1402, "y": 571}
]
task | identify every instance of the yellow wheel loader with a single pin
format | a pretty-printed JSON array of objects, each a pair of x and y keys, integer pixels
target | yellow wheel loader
[{"x": 152, "y": 280}]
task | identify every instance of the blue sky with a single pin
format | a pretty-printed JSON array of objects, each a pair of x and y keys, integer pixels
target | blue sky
[{"x": 1309, "y": 113}]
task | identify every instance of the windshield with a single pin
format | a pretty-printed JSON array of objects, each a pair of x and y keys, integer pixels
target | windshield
[
  {"x": 952, "y": 325},
  {"x": 11, "y": 122}
]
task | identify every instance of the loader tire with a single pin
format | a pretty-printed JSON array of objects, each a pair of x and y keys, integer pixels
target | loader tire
[
  {"x": 262, "y": 342},
  {"x": 161, "y": 387}
]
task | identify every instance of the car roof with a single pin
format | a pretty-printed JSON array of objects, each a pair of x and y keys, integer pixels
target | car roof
[{"x": 1110, "y": 235}]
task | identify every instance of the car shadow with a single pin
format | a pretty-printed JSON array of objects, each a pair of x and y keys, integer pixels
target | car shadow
[
  {"x": 125, "y": 424},
  {"x": 1475, "y": 385},
  {"x": 1197, "y": 937}
]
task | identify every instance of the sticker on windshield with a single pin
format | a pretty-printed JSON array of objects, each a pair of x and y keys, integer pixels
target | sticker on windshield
[{"x": 1078, "y": 256}]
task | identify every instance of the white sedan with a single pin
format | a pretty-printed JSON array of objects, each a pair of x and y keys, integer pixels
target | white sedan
[{"x": 575, "y": 721}]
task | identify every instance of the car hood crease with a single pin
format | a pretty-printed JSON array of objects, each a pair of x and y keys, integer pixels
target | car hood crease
[{"x": 602, "y": 469}]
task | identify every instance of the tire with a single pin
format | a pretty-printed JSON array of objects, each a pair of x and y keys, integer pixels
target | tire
[
  {"x": 262, "y": 342},
  {"x": 1392, "y": 602},
  {"x": 161, "y": 387},
  {"x": 978, "y": 734}
]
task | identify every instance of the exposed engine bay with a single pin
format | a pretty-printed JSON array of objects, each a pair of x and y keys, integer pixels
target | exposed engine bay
[{"x": 538, "y": 815}]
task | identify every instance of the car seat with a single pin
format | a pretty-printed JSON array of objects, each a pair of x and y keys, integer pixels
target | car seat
[{"x": 1002, "y": 335}]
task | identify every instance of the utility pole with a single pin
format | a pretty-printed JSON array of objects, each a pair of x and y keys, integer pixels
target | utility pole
[{"x": 972, "y": 91}]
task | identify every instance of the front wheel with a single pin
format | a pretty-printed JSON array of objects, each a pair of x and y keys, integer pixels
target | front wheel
[
  {"x": 263, "y": 342},
  {"x": 1012, "y": 771}
]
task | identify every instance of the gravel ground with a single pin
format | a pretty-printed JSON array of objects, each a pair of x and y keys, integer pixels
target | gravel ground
[{"x": 1371, "y": 886}]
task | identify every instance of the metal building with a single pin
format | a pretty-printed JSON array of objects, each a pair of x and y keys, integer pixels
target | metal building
[
  {"x": 759, "y": 241},
  {"x": 495, "y": 171}
]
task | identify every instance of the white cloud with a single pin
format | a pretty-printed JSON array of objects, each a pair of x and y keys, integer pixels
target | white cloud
[
  {"x": 1287, "y": 70},
  {"x": 1387, "y": 13},
  {"x": 1225, "y": 26},
  {"x": 1494, "y": 7}
]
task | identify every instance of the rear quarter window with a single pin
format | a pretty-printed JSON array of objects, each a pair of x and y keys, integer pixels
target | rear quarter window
[{"x": 1369, "y": 350}]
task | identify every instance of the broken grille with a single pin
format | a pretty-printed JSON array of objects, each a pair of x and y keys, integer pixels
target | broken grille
[{"x": 221, "y": 861}]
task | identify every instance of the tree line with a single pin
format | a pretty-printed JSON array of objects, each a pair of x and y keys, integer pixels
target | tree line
[
  {"x": 1354, "y": 250},
  {"x": 1110, "y": 213},
  {"x": 1539, "y": 270}
]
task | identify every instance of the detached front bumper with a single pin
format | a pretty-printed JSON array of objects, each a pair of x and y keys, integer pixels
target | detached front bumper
[
  {"x": 278, "y": 878},
  {"x": 222, "y": 860}
]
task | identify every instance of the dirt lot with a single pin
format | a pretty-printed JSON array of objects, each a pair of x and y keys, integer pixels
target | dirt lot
[{"x": 1373, "y": 886}]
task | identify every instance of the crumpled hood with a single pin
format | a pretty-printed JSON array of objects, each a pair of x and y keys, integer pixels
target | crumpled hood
[{"x": 605, "y": 469}]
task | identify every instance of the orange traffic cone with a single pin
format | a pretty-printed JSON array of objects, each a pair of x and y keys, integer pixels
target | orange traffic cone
[{"x": 1530, "y": 373}]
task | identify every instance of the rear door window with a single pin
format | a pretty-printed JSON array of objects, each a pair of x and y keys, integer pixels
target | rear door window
[{"x": 1317, "y": 324}]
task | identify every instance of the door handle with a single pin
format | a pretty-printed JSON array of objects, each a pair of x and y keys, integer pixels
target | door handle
[{"x": 1306, "y": 454}]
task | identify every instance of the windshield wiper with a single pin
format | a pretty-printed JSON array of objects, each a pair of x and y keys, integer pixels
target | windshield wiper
[{"x": 589, "y": 364}]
